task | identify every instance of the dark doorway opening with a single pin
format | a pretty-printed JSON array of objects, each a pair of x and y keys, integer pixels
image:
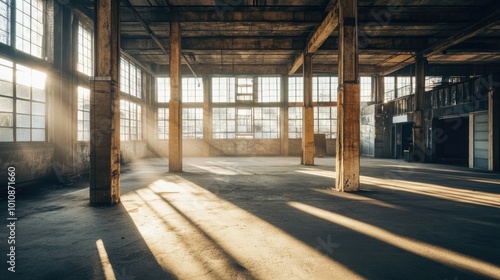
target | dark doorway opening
[{"x": 452, "y": 147}]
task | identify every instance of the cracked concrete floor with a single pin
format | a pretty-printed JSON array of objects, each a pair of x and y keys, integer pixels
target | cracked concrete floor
[{"x": 265, "y": 218}]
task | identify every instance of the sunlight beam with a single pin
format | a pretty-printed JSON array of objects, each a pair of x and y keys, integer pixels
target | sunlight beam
[
  {"x": 432, "y": 252},
  {"x": 109, "y": 273},
  {"x": 437, "y": 191},
  {"x": 184, "y": 226}
]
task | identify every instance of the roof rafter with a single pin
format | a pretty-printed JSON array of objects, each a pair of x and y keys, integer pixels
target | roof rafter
[{"x": 324, "y": 30}]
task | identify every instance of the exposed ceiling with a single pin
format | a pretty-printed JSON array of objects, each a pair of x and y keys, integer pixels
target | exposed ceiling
[{"x": 266, "y": 36}]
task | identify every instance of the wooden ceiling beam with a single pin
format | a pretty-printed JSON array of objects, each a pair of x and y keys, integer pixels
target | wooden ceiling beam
[
  {"x": 486, "y": 23},
  {"x": 319, "y": 36}
]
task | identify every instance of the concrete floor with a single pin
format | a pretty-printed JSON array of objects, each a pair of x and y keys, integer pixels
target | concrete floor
[{"x": 265, "y": 218}]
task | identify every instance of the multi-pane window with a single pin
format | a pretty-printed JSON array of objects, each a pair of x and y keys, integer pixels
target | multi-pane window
[
  {"x": 295, "y": 122},
  {"x": 389, "y": 88},
  {"x": 30, "y": 104},
  {"x": 130, "y": 78},
  {"x": 223, "y": 90},
  {"x": 29, "y": 26},
  {"x": 6, "y": 101},
  {"x": 244, "y": 89},
  {"x": 325, "y": 121},
  {"x": 366, "y": 89},
  {"x": 325, "y": 89},
  {"x": 84, "y": 49},
  {"x": 163, "y": 89},
  {"x": 266, "y": 123},
  {"x": 295, "y": 89},
  {"x": 223, "y": 123},
  {"x": 124, "y": 75},
  {"x": 244, "y": 123},
  {"x": 192, "y": 90},
  {"x": 269, "y": 89},
  {"x": 163, "y": 123},
  {"x": 130, "y": 121},
  {"x": 192, "y": 123},
  {"x": 404, "y": 86},
  {"x": 5, "y": 22},
  {"x": 83, "y": 118},
  {"x": 431, "y": 82},
  {"x": 247, "y": 123}
]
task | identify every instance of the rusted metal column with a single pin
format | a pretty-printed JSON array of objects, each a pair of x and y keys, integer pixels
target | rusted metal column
[
  {"x": 348, "y": 103},
  {"x": 308, "y": 114},
  {"x": 175, "y": 105},
  {"x": 418, "y": 154},
  {"x": 105, "y": 107}
]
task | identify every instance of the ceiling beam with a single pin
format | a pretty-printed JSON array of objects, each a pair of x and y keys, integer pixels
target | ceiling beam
[
  {"x": 486, "y": 23},
  {"x": 260, "y": 69},
  {"x": 283, "y": 44},
  {"x": 317, "y": 39},
  {"x": 153, "y": 35},
  {"x": 158, "y": 14}
]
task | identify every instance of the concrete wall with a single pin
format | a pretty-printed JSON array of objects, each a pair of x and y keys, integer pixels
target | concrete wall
[
  {"x": 133, "y": 150},
  {"x": 33, "y": 161},
  {"x": 235, "y": 147},
  {"x": 81, "y": 158}
]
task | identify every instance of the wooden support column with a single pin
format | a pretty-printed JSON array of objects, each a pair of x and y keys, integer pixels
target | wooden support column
[
  {"x": 175, "y": 105},
  {"x": 418, "y": 154},
  {"x": 105, "y": 107},
  {"x": 308, "y": 114},
  {"x": 348, "y": 103}
]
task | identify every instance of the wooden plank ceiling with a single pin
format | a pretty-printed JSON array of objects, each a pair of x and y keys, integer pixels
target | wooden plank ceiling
[{"x": 266, "y": 36}]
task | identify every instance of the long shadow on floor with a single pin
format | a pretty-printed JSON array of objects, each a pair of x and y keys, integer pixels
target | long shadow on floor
[{"x": 463, "y": 228}]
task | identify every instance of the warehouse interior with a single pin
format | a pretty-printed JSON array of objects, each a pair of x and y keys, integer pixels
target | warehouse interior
[{"x": 251, "y": 139}]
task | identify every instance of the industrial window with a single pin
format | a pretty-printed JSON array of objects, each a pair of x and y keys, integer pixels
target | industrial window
[
  {"x": 223, "y": 90},
  {"x": 163, "y": 89},
  {"x": 389, "y": 88},
  {"x": 295, "y": 122},
  {"x": 192, "y": 123},
  {"x": 130, "y": 121},
  {"x": 266, "y": 123},
  {"x": 83, "y": 118},
  {"x": 84, "y": 49},
  {"x": 29, "y": 26},
  {"x": 325, "y": 121},
  {"x": 163, "y": 123},
  {"x": 192, "y": 90},
  {"x": 404, "y": 86},
  {"x": 431, "y": 82},
  {"x": 130, "y": 78},
  {"x": 6, "y": 101},
  {"x": 365, "y": 89},
  {"x": 244, "y": 123},
  {"x": 244, "y": 89},
  {"x": 30, "y": 104},
  {"x": 5, "y": 22},
  {"x": 269, "y": 89},
  {"x": 295, "y": 89},
  {"x": 223, "y": 123},
  {"x": 325, "y": 89}
]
